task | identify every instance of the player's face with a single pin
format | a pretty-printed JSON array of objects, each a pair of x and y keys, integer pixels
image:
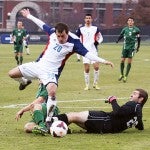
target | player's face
[
  {"x": 135, "y": 96},
  {"x": 62, "y": 37},
  {"x": 19, "y": 25},
  {"x": 88, "y": 20},
  {"x": 130, "y": 22}
]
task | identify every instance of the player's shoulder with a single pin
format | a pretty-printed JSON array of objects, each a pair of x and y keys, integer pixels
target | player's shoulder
[
  {"x": 136, "y": 28},
  {"x": 72, "y": 35},
  {"x": 125, "y": 28}
]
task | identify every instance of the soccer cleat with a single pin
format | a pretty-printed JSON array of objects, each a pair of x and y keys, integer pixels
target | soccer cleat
[
  {"x": 48, "y": 125},
  {"x": 40, "y": 130},
  {"x": 125, "y": 79},
  {"x": 69, "y": 131},
  {"x": 96, "y": 87},
  {"x": 86, "y": 88},
  {"x": 23, "y": 86},
  {"x": 121, "y": 77}
]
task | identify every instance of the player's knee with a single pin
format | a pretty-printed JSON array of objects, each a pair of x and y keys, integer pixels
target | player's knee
[
  {"x": 29, "y": 126},
  {"x": 37, "y": 107},
  {"x": 11, "y": 73},
  {"x": 15, "y": 73}
]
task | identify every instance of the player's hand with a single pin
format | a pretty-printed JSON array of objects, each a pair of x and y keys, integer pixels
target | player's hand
[
  {"x": 19, "y": 115},
  {"x": 109, "y": 63},
  {"x": 25, "y": 12},
  {"x": 111, "y": 99}
]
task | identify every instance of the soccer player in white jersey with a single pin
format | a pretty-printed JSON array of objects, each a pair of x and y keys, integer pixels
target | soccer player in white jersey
[
  {"x": 61, "y": 45},
  {"x": 90, "y": 37}
]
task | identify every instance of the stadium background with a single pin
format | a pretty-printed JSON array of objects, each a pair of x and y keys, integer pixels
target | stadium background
[{"x": 109, "y": 15}]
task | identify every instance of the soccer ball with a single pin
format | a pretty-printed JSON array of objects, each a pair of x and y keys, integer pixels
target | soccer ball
[{"x": 58, "y": 129}]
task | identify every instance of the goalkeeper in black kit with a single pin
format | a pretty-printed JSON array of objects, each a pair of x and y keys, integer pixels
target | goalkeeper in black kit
[{"x": 119, "y": 119}]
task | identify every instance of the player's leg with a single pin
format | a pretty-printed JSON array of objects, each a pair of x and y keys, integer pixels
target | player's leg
[
  {"x": 26, "y": 47},
  {"x": 127, "y": 69},
  {"x": 78, "y": 118},
  {"x": 16, "y": 53},
  {"x": 96, "y": 75},
  {"x": 20, "y": 54},
  {"x": 51, "y": 102},
  {"x": 16, "y": 58},
  {"x": 122, "y": 65},
  {"x": 78, "y": 57},
  {"x": 17, "y": 74},
  {"x": 39, "y": 113},
  {"x": 29, "y": 127},
  {"x": 86, "y": 63}
]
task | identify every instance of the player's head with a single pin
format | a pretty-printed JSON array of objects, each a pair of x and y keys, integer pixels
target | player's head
[
  {"x": 143, "y": 94},
  {"x": 130, "y": 21},
  {"x": 140, "y": 96},
  {"x": 19, "y": 24},
  {"x": 88, "y": 19},
  {"x": 61, "y": 31}
]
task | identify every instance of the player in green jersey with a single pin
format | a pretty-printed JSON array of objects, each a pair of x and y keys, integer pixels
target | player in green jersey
[
  {"x": 39, "y": 112},
  {"x": 18, "y": 35},
  {"x": 131, "y": 35}
]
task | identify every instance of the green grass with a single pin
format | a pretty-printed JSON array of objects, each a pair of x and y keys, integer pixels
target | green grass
[{"x": 71, "y": 85}]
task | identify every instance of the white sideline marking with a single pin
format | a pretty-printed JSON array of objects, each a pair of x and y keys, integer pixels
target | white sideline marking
[{"x": 69, "y": 101}]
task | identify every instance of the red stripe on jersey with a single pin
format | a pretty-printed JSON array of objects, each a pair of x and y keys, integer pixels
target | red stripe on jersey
[
  {"x": 46, "y": 45},
  {"x": 67, "y": 56}
]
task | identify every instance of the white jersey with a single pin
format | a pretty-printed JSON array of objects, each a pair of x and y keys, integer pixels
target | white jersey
[
  {"x": 53, "y": 58},
  {"x": 56, "y": 54},
  {"x": 88, "y": 36}
]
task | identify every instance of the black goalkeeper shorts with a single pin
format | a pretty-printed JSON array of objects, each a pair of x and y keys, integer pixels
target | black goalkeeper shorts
[{"x": 98, "y": 122}]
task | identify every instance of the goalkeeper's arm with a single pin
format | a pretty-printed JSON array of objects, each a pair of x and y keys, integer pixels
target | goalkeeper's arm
[
  {"x": 119, "y": 38},
  {"x": 138, "y": 43}
]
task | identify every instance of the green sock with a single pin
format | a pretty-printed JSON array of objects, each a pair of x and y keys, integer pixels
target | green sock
[
  {"x": 128, "y": 69},
  {"x": 21, "y": 60},
  {"x": 122, "y": 68},
  {"x": 38, "y": 117},
  {"x": 16, "y": 57}
]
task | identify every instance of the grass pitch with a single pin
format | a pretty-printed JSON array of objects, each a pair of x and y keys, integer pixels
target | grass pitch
[{"x": 72, "y": 97}]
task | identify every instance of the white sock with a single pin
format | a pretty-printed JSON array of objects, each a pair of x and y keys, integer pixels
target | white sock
[
  {"x": 51, "y": 104},
  {"x": 78, "y": 56},
  {"x": 96, "y": 76},
  {"x": 28, "y": 51},
  {"x": 21, "y": 80},
  {"x": 87, "y": 78}
]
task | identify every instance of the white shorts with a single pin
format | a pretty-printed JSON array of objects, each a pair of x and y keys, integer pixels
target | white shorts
[
  {"x": 32, "y": 70},
  {"x": 88, "y": 61}
]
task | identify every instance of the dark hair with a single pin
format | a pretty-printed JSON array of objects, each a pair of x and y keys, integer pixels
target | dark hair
[
  {"x": 130, "y": 18},
  {"x": 143, "y": 94},
  {"x": 88, "y": 15},
  {"x": 60, "y": 27}
]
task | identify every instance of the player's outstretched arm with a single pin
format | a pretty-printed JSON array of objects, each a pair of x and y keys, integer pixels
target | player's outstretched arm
[
  {"x": 26, "y": 13},
  {"x": 92, "y": 57}
]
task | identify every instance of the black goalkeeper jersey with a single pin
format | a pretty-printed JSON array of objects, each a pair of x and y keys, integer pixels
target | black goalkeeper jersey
[{"x": 126, "y": 116}]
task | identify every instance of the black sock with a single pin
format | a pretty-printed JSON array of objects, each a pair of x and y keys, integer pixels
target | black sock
[{"x": 63, "y": 117}]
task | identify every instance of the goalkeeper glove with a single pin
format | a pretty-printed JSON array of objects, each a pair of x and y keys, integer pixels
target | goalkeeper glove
[{"x": 111, "y": 99}]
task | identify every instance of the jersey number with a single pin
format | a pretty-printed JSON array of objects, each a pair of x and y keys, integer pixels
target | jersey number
[
  {"x": 58, "y": 48},
  {"x": 133, "y": 122}
]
